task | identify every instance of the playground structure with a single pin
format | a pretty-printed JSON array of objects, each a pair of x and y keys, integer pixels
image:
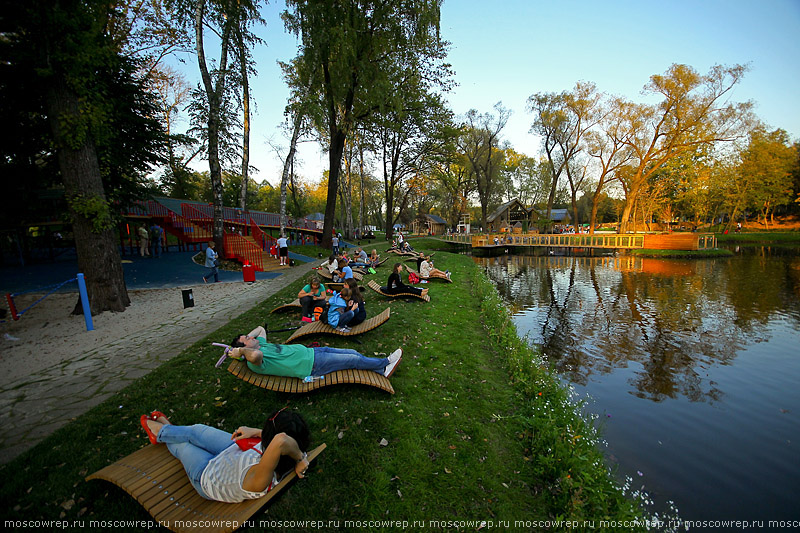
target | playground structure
[
  {"x": 87, "y": 314},
  {"x": 244, "y": 238}
]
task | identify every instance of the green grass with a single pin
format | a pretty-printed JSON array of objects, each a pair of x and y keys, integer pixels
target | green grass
[
  {"x": 477, "y": 429},
  {"x": 760, "y": 237}
]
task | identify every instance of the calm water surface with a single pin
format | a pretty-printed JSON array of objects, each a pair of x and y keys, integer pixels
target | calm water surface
[{"x": 692, "y": 366}]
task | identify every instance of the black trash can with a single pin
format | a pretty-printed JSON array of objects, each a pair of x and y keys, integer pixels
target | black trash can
[{"x": 188, "y": 299}]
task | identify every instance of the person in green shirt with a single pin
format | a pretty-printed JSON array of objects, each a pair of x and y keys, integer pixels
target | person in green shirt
[
  {"x": 298, "y": 361},
  {"x": 310, "y": 296}
]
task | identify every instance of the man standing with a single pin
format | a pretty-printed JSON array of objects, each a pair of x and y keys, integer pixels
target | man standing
[
  {"x": 211, "y": 262},
  {"x": 144, "y": 237},
  {"x": 283, "y": 250},
  {"x": 155, "y": 239}
]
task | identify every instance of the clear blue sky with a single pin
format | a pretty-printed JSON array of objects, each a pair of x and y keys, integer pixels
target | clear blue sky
[{"x": 507, "y": 50}]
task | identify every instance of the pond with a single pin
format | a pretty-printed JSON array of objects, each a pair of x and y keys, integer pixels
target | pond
[{"x": 692, "y": 366}]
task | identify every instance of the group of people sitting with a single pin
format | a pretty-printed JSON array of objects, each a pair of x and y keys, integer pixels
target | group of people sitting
[
  {"x": 340, "y": 266},
  {"x": 345, "y": 308},
  {"x": 246, "y": 464}
]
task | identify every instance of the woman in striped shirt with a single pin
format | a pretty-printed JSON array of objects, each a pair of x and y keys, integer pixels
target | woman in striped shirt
[{"x": 235, "y": 467}]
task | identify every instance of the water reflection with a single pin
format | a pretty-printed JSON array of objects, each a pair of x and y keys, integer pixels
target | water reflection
[{"x": 670, "y": 320}]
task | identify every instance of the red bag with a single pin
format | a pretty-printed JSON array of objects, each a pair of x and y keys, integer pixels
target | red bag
[{"x": 413, "y": 278}]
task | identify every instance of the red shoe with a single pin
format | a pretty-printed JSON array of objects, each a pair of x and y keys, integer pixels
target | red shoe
[
  {"x": 143, "y": 420},
  {"x": 155, "y": 414}
]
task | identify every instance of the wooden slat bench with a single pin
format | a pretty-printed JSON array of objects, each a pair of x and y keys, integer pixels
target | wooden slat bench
[
  {"x": 319, "y": 328},
  {"x": 158, "y": 481},
  {"x": 295, "y": 385},
  {"x": 327, "y": 276},
  {"x": 377, "y": 288},
  {"x": 295, "y": 305}
]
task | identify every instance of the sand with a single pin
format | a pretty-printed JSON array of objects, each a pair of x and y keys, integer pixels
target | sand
[{"x": 49, "y": 335}]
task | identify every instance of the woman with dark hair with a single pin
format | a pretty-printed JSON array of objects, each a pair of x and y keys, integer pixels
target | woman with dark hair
[
  {"x": 234, "y": 467},
  {"x": 311, "y": 296},
  {"x": 395, "y": 284},
  {"x": 356, "y": 303}
]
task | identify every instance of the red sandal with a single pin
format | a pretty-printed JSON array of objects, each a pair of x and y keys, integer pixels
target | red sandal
[
  {"x": 143, "y": 420},
  {"x": 155, "y": 414}
]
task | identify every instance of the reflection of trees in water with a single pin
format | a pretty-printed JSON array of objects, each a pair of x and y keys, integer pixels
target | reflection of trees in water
[{"x": 674, "y": 319}]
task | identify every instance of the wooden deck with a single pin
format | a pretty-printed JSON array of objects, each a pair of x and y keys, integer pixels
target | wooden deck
[{"x": 630, "y": 241}]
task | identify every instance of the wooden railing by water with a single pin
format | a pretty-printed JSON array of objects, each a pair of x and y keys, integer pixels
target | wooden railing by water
[{"x": 651, "y": 241}]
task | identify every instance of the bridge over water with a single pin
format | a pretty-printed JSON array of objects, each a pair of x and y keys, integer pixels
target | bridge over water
[{"x": 614, "y": 241}]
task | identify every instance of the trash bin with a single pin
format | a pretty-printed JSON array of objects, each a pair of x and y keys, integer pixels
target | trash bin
[
  {"x": 188, "y": 299},
  {"x": 249, "y": 273}
]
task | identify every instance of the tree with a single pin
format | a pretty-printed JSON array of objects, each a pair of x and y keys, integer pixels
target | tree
[
  {"x": 353, "y": 45},
  {"x": 480, "y": 144},
  {"x": 227, "y": 18},
  {"x": 693, "y": 113},
  {"x": 766, "y": 167},
  {"x": 606, "y": 144},
  {"x": 551, "y": 123},
  {"x": 74, "y": 77}
]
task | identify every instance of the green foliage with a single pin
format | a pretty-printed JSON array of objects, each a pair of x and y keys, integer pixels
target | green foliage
[
  {"x": 115, "y": 110},
  {"x": 94, "y": 209}
]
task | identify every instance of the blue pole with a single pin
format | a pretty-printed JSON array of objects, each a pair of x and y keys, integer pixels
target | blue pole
[{"x": 87, "y": 311}]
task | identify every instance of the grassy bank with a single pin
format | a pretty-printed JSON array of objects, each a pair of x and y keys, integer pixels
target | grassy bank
[
  {"x": 477, "y": 430},
  {"x": 760, "y": 237}
]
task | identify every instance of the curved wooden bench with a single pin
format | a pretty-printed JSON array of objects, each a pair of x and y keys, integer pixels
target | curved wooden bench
[
  {"x": 158, "y": 481},
  {"x": 295, "y": 305},
  {"x": 327, "y": 276},
  {"x": 295, "y": 385},
  {"x": 377, "y": 288},
  {"x": 318, "y": 328}
]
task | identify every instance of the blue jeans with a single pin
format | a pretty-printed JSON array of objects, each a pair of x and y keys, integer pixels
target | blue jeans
[
  {"x": 344, "y": 318},
  {"x": 327, "y": 360},
  {"x": 213, "y": 272},
  {"x": 194, "y": 446}
]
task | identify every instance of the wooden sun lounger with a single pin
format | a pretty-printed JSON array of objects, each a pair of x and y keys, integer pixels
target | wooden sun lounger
[
  {"x": 403, "y": 254},
  {"x": 288, "y": 307},
  {"x": 327, "y": 276},
  {"x": 295, "y": 385},
  {"x": 158, "y": 481},
  {"x": 316, "y": 328},
  {"x": 295, "y": 305},
  {"x": 377, "y": 288}
]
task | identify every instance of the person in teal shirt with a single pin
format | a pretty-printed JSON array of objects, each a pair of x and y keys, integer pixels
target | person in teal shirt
[
  {"x": 311, "y": 296},
  {"x": 298, "y": 361}
]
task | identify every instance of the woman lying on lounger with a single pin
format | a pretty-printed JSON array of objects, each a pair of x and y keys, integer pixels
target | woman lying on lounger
[
  {"x": 426, "y": 269},
  {"x": 298, "y": 361},
  {"x": 396, "y": 286},
  {"x": 229, "y": 467}
]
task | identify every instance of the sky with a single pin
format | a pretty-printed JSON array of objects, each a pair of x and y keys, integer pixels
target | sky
[{"x": 507, "y": 50}]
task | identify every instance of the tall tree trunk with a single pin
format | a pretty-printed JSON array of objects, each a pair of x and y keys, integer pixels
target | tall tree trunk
[
  {"x": 361, "y": 186},
  {"x": 287, "y": 165},
  {"x": 335, "y": 161},
  {"x": 98, "y": 256},
  {"x": 214, "y": 93},
  {"x": 246, "y": 121}
]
